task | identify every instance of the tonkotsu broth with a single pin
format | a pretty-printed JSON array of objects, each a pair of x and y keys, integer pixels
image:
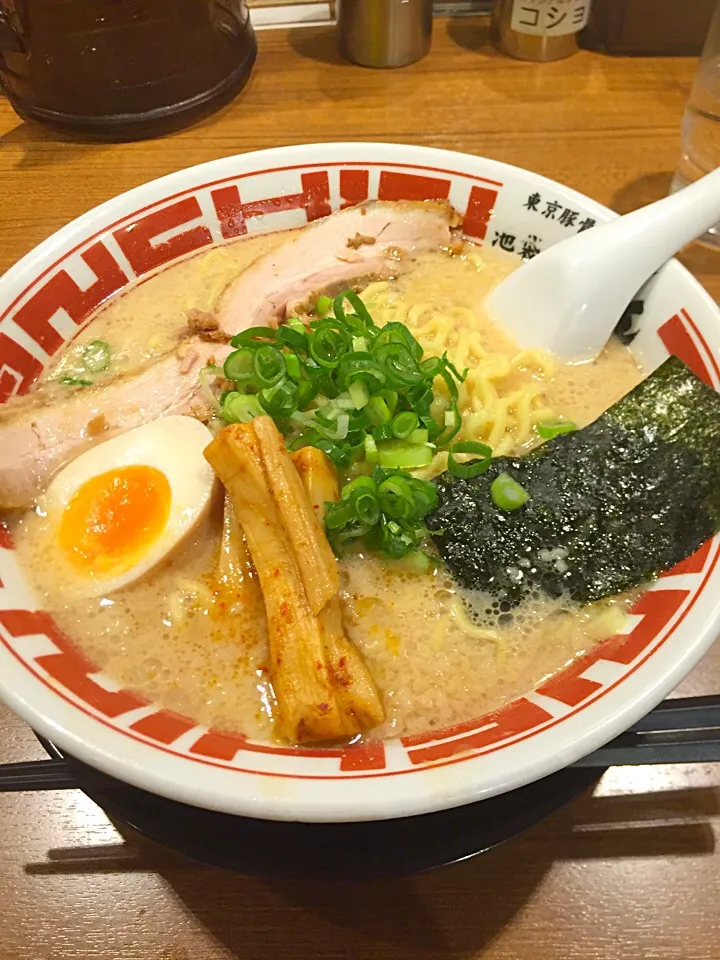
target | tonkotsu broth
[
  {"x": 180, "y": 639},
  {"x": 147, "y": 320}
]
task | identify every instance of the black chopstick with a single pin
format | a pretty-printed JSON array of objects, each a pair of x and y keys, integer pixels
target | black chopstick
[
  {"x": 685, "y": 730},
  {"x": 37, "y": 775}
]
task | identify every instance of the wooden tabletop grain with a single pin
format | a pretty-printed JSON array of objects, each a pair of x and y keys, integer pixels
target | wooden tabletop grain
[{"x": 631, "y": 871}]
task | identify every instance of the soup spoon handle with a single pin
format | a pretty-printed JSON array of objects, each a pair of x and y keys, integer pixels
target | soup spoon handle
[{"x": 569, "y": 298}]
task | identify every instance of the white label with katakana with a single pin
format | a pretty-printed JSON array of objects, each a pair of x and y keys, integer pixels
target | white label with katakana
[{"x": 553, "y": 18}]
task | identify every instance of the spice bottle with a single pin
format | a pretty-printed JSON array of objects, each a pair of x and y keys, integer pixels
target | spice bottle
[
  {"x": 384, "y": 33},
  {"x": 538, "y": 29}
]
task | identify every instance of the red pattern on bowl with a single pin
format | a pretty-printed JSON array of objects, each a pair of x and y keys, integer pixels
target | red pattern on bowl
[{"x": 46, "y": 299}]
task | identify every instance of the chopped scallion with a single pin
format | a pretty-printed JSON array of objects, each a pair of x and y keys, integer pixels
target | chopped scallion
[
  {"x": 371, "y": 450},
  {"x": 404, "y": 423},
  {"x": 240, "y": 407},
  {"x": 239, "y": 364},
  {"x": 420, "y": 435},
  {"x": 75, "y": 382},
  {"x": 472, "y": 468},
  {"x": 359, "y": 394},
  {"x": 403, "y": 456},
  {"x": 96, "y": 356},
  {"x": 507, "y": 494},
  {"x": 377, "y": 411},
  {"x": 323, "y": 306},
  {"x": 555, "y": 428}
]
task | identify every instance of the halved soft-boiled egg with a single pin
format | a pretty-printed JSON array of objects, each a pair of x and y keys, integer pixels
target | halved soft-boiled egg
[{"x": 124, "y": 505}]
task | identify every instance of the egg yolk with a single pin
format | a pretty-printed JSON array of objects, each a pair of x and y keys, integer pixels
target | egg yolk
[{"x": 112, "y": 519}]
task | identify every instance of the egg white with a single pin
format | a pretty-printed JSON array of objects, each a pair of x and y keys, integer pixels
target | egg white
[{"x": 174, "y": 446}]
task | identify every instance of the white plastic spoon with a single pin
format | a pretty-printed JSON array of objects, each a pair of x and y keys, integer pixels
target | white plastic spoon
[{"x": 569, "y": 298}]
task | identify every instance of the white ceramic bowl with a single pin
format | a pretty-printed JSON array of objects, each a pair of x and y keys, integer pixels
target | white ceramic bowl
[{"x": 46, "y": 681}]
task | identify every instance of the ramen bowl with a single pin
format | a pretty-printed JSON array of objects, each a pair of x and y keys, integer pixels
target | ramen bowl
[{"x": 50, "y": 294}]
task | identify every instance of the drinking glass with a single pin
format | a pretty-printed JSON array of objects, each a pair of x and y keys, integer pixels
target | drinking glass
[{"x": 701, "y": 122}]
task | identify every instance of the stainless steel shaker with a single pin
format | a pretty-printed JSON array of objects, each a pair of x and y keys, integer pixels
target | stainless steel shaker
[{"x": 384, "y": 33}]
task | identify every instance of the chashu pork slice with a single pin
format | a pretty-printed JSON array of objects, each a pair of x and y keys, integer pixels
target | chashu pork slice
[
  {"x": 41, "y": 432},
  {"x": 364, "y": 241}
]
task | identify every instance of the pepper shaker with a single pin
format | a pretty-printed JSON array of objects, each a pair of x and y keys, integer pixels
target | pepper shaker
[
  {"x": 539, "y": 30},
  {"x": 384, "y": 33}
]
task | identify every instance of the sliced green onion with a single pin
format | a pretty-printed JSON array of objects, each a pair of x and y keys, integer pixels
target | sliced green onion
[
  {"x": 337, "y": 514},
  {"x": 454, "y": 370},
  {"x": 359, "y": 394},
  {"x": 96, "y": 356},
  {"x": 336, "y": 432},
  {"x": 328, "y": 343},
  {"x": 395, "y": 332},
  {"x": 377, "y": 411},
  {"x": 355, "y": 486},
  {"x": 240, "y": 407},
  {"x": 432, "y": 367},
  {"x": 268, "y": 366},
  {"x": 475, "y": 467},
  {"x": 555, "y": 428},
  {"x": 362, "y": 493},
  {"x": 352, "y": 531},
  {"x": 421, "y": 397},
  {"x": 239, "y": 365},
  {"x": 361, "y": 321},
  {"x": 395, "y": 496},
  {"x": 426, "y": 496},
  {"x": 367, "y": 509},
  {"x": 453, "y": 423},
  {"x": 360, "y": 366},
  {"x": 323, "y": 306},
  {"x": 371, "y": 450},
  {"x": 75, "y": 382},
  {"x": 403, "y": 424},
  {"x": 399, "y": 364},
  {"x": 292, "y": 337},
  {"x": 362, "y": 394},
  {"x": 279, "y": 400},
  {"x": 359, "y": 308},
  {"x": 338, "y": 456},
  {"x": 507, "y": 494},
  {"x": 294, "y": 369},
  {"x": 415, "y": 561},
  {"x": 383, "y": 432},
  {"x": 307, "y": 391},
  {"x": 248, "y": 337},
  {"x": 420, "y": 435},
  {"x": 391, "y": 399},
  {"x": 405, "y": 456}
]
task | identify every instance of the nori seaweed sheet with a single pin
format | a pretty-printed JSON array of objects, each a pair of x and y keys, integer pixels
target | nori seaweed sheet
[{"x": 611, "y": 506}]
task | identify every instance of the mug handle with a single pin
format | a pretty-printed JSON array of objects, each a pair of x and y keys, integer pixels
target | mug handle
[{"x": 10, "y": 39}]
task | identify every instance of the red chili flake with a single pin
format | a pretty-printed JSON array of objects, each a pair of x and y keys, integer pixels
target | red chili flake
[{"x": 323, "y": 707}]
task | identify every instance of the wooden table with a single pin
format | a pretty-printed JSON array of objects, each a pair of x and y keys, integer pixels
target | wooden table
[{"x": 628, "y": 872}]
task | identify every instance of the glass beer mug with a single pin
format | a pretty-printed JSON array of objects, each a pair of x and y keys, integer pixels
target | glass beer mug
[{"x": 123, "y": 69}]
